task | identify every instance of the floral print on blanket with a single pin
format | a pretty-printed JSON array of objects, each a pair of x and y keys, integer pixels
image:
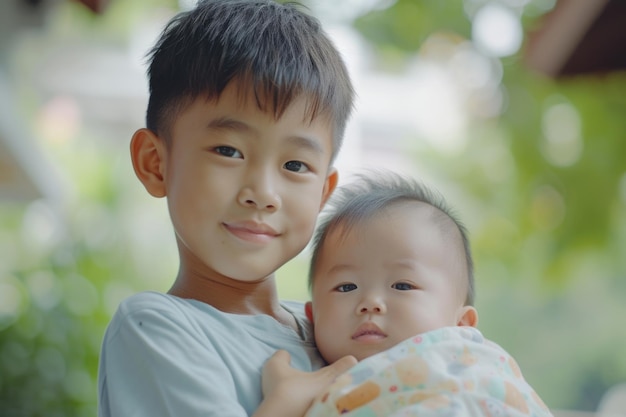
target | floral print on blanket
[{"x": 453, "y": 371}]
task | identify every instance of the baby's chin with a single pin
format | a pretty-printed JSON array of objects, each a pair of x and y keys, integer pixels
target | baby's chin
[
  {"x": 365, "y": 352},
  {"x": 368, "y": 354}
]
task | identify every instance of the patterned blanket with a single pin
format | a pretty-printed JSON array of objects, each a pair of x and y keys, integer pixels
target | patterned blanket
[{"x": 453, "y": 371}]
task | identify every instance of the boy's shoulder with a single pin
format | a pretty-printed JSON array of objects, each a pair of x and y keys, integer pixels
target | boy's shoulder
[
  {"x": 153, "y": 300},
  {"x": 159, "y": 307},
  {"x": 153, "y": 315},
  {"x": 155, "y": 309},
  {"x": 148, "y": 301},
  {"x": 143, "y": 299}
]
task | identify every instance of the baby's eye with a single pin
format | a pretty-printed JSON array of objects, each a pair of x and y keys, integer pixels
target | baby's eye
[
  {"x": 346, "y": 287},
  {"x": 228, "y": 151},
  {"x": 296, "y": 166},
  {"x": 403, "y": 286}
]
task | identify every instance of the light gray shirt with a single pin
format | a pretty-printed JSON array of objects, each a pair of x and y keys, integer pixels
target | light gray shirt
[{"x": 167, "y": 356}]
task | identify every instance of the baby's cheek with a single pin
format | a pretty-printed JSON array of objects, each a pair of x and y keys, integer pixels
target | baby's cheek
[{"x": 327, "y": 343}]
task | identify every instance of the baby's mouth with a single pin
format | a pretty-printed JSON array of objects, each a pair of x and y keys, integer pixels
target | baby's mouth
[{"x": 368, "y": 332}]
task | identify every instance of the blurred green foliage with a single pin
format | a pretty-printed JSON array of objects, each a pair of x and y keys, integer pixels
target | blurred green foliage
[
  {"x": 549, "y": 240},
  {"x": 404, "y": 26}
]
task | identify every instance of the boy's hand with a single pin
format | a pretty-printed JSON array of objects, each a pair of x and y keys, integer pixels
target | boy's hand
[{"x": 288, "y": 391}]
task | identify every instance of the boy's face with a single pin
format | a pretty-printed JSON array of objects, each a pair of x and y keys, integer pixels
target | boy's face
[
  {"x": 392, "y": 276},
  {"x": 244, "y": 189}
]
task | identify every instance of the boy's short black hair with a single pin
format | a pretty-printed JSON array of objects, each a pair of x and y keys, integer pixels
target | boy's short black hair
[
  {"x": 276, "y": 49},
  {"x": 367, "y": 195}
]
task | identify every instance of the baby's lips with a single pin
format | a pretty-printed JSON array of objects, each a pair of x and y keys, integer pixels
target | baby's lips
[{"x": 368, "y": 328}]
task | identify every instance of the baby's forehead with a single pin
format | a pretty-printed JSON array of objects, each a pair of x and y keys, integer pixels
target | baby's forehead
[{"x": 410, "y": 210}]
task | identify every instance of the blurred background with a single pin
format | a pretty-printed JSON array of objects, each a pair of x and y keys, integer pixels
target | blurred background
[{"x": 515, "y": 109}]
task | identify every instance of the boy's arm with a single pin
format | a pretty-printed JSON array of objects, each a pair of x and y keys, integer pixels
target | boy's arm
[{"x": 289, "y": 392}]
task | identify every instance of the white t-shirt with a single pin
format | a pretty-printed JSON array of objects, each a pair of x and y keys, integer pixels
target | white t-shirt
[{"x": 167, "y": 356}]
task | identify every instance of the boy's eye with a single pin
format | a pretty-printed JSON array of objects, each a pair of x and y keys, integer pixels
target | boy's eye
[
  {"x": 346, "y": 287},
  {"x": 228, "y": 151},
  {"x": 403, "y": 286},
  {"x": 296, "y": 166}
]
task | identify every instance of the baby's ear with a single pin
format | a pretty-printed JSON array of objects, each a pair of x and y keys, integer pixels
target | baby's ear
[
  {"x": 468, "y": 316},
  {"x": 308, "y": 310},
  {"x": 147, "y": 152}
]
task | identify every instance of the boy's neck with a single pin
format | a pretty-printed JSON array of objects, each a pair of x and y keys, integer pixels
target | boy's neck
[{"x": 235, "y": 297}]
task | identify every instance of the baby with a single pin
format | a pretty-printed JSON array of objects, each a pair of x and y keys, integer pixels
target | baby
[{"x": 392, "y": 284}]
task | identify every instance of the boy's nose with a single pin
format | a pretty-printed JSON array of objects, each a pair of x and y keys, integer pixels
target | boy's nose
[{"x": 260, "y": 193}]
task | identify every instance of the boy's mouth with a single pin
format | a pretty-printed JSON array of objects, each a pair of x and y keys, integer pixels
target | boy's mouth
[{"x": 251, "y": 231}]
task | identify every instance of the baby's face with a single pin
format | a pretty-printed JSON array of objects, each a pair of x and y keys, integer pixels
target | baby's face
[{"x": 390, "y": 277}]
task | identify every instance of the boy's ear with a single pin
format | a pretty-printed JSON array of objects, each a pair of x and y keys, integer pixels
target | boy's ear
[
  {"x": 468, "y": 317},
  {"x": 329, "y": 185},
  {"x": 147, "y": 152},
  {"x": 308, "y": 310}
]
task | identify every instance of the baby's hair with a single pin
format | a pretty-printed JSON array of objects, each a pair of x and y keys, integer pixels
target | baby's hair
[
  {"x": 370, "y": 193},
  {"x": 276, "y": 49}
]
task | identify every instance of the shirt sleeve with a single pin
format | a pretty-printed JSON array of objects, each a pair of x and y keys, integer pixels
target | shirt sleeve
[{"x": 154, "y": 363}]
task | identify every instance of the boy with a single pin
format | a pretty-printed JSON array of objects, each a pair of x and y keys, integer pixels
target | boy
[
  {"x": 248, "y": 105},
  {"x": 392, "y": 280}
]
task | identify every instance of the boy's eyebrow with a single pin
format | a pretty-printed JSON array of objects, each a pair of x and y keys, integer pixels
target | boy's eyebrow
[
  {"x": 228, "y": 123},
  {"x": 306, "y": 142}
]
